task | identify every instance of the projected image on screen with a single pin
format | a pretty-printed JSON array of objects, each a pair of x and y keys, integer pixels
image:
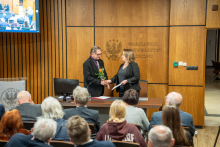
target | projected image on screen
[{"x": 19, "y": 16}]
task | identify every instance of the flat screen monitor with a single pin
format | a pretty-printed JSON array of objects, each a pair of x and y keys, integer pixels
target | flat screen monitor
[
  {"x": 64, "y": 86},
  {"x": 20, "y": 16}
]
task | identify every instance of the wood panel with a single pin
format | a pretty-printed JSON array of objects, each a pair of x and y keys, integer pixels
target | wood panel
[
  {"x": 80, "y": 13},
  {"x": 193, "y": 102},
  {"x": 33, "y": 55},
  {"x": 132, "y": 12},
  {"x": 79, "y": 43},
  {"x": 187, "y": 12},
  {"x": 150, "y": 46},
  {"x": 156, "y": 91},
  {"x": 213, "y": 17},
  {"x": 187, "y": 44}
]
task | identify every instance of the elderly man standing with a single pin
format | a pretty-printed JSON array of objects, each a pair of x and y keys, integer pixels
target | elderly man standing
[
  {"x": 160, "y": 136},
  {"x": 91, "y": 68},
  {"x": 186, "y": 118},
  {"x": 28, "y": 110},
  {"x": 44, "y": 129},
  {"x": 81, "y": 98},
  {"x": 79, "y": 133}
]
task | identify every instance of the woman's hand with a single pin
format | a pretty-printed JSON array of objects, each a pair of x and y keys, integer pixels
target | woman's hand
[
  {"x": 124, "y": 82},
  {"x": 108, "y": 81}
]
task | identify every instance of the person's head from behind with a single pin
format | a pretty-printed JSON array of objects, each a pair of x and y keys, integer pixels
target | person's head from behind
[
  {"x": 96, "y": 52},
  {"x": 78, "y": 130},
  {"x": 174, "y": 98},
  {"x": 160, "y": 136},
  {"x": 117, "y": 111},
  {"x": 44, "y": 129},
  {"x": 81, "y": 96},
  {"x": 171, "y": 119},
  {"x": 23, "y": 97},
  {"x": 128, "y": 55},
  {"x": 11, "y": 122},
  {"x": 131, "y": 97},
  {"x": 51, "y": 108}
]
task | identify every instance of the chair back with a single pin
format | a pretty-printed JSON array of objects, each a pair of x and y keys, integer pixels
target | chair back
[
  {"x": 61, "y": 143},
  {"x": 125, "y": 144},
  {"x": 92, "y": 128},
  {"x": 138, "y": 126},
  {"x": 3, "y": 142},
  {"x": 108, "y": 92},
  {"x": 144, "y": 88},
  {"x": 28, "y": 125}
]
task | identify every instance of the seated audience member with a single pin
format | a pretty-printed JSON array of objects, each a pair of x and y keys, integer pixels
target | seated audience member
[
  {"x": 117, "y": 127},
  {"x": 81, "y": 98},
  {"x": 51, "y": 108},
  {"x": 15, "y": 24},
  {"x": 11, "y": 124},
  {"x": 44, "y": 129},
  {"x": 134, "y": 115},
  {"x": 79, "y": 132},
  {"x": 160, "y": 136},
  {"x": 186, "y": 118},
  {"x": 29, "y": 111},
  {"x": 3, "y": 23},
  {"x": 2, "y": 110},
  {"x": 171, "y": 119}
]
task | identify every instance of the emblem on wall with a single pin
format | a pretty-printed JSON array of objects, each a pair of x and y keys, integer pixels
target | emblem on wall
[
  {"x": 9, "y": 97},
  {"x": 113, "y": 49}
]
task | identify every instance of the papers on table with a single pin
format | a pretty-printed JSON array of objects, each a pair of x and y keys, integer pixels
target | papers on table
[
  {"x": 101, "y": 97},
  {"x": 116, "y": 86},
  {"x": 143, "y": 99}
]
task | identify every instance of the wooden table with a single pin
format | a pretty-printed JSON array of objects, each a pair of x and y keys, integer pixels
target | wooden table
[{"x": 150, "y": 103}]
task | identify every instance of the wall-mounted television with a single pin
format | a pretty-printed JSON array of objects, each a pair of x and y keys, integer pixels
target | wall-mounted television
[{"x": 21, "y": 16}]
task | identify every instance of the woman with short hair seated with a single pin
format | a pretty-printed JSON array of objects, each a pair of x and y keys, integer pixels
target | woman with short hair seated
[
  {"x": 11, "y": 124},
  {"x": 51, "y": 108},
  {"x": 117, "y": 127},
  {"x": 171, "y": 119},
  {"x": 135, "y": 115}
]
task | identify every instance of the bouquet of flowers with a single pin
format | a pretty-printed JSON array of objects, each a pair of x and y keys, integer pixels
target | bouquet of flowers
[{"x": 101, "y": 74}]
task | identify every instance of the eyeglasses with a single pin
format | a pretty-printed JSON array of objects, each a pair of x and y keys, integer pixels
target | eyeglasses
[{"x": 98, "y": 54}]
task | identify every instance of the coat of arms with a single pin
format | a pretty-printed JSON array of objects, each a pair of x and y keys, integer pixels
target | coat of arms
[{"x": 113, "y": 48}]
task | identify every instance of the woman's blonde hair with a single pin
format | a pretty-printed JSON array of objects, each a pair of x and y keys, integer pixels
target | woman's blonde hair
[
  {"x": 129, "y": 55},
  {"x": 117, "y": 111}
]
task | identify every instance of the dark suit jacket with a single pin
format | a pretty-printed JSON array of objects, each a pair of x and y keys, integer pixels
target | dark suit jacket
[
  {"x": 6, "y": 8},
  {"x": 186, "y": 119},
  {"x": 2, "y": 110},
  {"x": 91, "y": 116},
  {"x": 89, "y": 70},
  {"x": 132, "y": 74}
]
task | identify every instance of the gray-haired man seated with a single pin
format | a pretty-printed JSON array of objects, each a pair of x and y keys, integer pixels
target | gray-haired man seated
[
  {"x": 81, "y": 98},
  {"x": 44, "y": 129},
  {"x": 160, "y": 136},
  {"x": 79, "y": 132}
]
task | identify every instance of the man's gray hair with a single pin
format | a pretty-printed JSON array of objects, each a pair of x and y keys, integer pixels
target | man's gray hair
[
  {"x": 81, "y": 95},
  {"x": 51, "y": 108},
  {"x": 160, "y": 136},
  {"x": 44, "y": 129},
  {"x": 94, "y": 49},
  {"x": 175, "y": 98},
  {"x": 23, "y": 95}
]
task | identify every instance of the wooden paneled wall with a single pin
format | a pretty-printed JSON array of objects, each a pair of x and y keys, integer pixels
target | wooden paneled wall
[
  {"x": 159, "y": 31},
  {"x": 39, "y": 57}
]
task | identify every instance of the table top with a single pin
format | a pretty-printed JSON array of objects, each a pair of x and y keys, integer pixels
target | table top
[{"x": 150, "y": 103}]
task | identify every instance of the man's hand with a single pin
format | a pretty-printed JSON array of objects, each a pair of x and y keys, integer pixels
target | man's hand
[
  {"x": 124, "y": 82},
  {"x": 103, "y": 82}
]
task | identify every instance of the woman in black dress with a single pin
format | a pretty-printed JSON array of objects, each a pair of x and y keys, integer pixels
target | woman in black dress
[{"x": 128, "y": 74}]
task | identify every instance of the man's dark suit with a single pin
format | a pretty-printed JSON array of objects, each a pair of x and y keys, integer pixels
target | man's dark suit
[
  {"x": 186, "y": 119},
  {"x": 90, "y": 79},
  {"x": 2, "y": 110},
  {"x": 91, "y": 116}
]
